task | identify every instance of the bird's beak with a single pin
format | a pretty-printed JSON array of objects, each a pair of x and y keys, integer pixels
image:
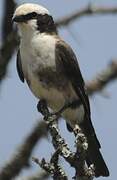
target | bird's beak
[{"x": 18, "y": 19}]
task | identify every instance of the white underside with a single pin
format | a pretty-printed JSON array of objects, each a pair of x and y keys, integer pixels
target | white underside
[{"x": 33, "y": 56}]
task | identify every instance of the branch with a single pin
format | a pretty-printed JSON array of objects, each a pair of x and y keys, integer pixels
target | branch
[
  {"x": 43, "y": 175},
  {"x": 9, "y": 41},
  {"x": 52, "y": 167},
  {"x": 86, "y": 11},
  {"x": 21, "y": 159},
  {"x": 76, "y": 160},
  {"x": 9, "y": 7},
  {"x": 104, "y": 78},
  {"x": 6, "y": 52}
]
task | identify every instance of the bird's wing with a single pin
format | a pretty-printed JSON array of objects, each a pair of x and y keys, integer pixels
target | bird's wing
[
  {"x": 73, "y": 73},
  {"x": 19, "y": 67},
  {"x": 71, "y": 69}
]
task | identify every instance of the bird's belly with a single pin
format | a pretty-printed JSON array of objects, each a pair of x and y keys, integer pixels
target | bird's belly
[
  {"x": 56, "y": 99},
  {"x": 74, "y": 116}
]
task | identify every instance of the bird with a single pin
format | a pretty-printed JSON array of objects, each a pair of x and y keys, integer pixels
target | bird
[{"x": 50, "y": 68}]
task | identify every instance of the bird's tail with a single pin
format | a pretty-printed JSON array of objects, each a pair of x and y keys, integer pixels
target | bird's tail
[{"x": 94, "y": 156}]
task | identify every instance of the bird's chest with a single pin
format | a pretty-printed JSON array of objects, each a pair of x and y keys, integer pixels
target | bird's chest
[
  {"x": 38, "y": 55},
  {"x": 39, "y": 67}
]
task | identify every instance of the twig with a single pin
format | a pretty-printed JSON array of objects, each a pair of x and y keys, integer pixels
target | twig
[
  {"x": 88, "y": 10},
  {"x": 104, "y": 78},
  {"x": 40, "y": 176},
  {"x": 21, "y": 159},
  {"x": 43, "y": 175},
  {"x": 52, "y": 167}
]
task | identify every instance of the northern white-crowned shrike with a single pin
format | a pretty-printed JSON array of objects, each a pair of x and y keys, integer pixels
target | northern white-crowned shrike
[{"x": 50, "y": 68}]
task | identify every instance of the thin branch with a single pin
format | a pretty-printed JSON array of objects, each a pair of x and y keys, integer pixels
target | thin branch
[
  {"x": 103, "y": 79},
  {"x": 40, "y": 176},
  {"x": 86, "y": 11},
  {"x": 21, "y": 159},
  {"x": 43, "y": 175},
  {"x": 52, "y": 167}
]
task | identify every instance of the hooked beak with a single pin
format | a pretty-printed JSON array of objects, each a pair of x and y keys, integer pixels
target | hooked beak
[{"x": 18, "y": 19}]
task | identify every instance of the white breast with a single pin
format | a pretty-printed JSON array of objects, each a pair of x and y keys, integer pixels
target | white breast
[{"x": 39, "y": 52}]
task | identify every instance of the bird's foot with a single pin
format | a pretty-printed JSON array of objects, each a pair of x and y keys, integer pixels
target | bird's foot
[
  {"x": 42, "y": 108},
  {"x": 77, "y": 130},
  {"x": 81, "y": 140}
]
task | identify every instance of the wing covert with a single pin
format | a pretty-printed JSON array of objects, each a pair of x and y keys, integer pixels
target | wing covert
[
  {"x": 19, "y": 67},
  {"x": 72, "y": 70}
]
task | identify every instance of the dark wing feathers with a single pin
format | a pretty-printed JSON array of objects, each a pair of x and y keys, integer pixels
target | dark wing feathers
[
  {"x": 72, "y": 70},
  {"x": 19, "y": 67}
]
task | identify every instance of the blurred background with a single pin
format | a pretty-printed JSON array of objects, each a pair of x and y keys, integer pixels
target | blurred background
[{"x": 94, "y": 39}]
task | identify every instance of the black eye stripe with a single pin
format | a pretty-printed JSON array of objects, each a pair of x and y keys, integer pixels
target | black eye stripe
[
  {"x": 29, "y": 16},
  {"x": 34, "y": 15}
]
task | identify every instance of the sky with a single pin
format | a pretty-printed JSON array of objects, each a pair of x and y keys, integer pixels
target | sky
[{"x": 94, "y": 41}]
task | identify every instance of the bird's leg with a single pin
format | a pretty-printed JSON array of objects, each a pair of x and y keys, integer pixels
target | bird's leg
[{"x": 42, "y": 108}]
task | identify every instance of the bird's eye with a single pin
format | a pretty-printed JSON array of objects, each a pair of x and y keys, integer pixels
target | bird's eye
[
  {"x": 30, "y": 16},
  {"x": 34, "y": 14}
]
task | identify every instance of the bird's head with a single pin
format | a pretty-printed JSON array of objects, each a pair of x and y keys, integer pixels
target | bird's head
[{"x": 33, "y": 18}]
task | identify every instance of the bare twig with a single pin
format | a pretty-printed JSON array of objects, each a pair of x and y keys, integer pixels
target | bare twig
[
  {"x": 52, "y": 167},
  {"x": 88, "y": 10},
  {"x": 21, "y": 159},
  {"x": 104, "y": 78},
  {"x": 43, "y": 175}
]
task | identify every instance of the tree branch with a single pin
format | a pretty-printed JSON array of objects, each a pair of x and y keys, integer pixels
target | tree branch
[
  {"x": 9, "y": 7},
  {"x": 86, "y": 11},
  {"x": 21, "y": 159},
  {"x": 9, "y": 38},
  {"x": 6, "y": 52},
  {"x": 76, "y": 160},
  {"x": 43, "y": 175},
  {"x": 52, "y": 167},
  {"x": 103, "y": 79}
]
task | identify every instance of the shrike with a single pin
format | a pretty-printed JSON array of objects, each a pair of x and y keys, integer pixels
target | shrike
[{"x": 50, "y": 68}]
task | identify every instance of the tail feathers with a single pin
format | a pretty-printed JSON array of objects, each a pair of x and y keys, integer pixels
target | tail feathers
[{"x": 94, "y": 156}]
